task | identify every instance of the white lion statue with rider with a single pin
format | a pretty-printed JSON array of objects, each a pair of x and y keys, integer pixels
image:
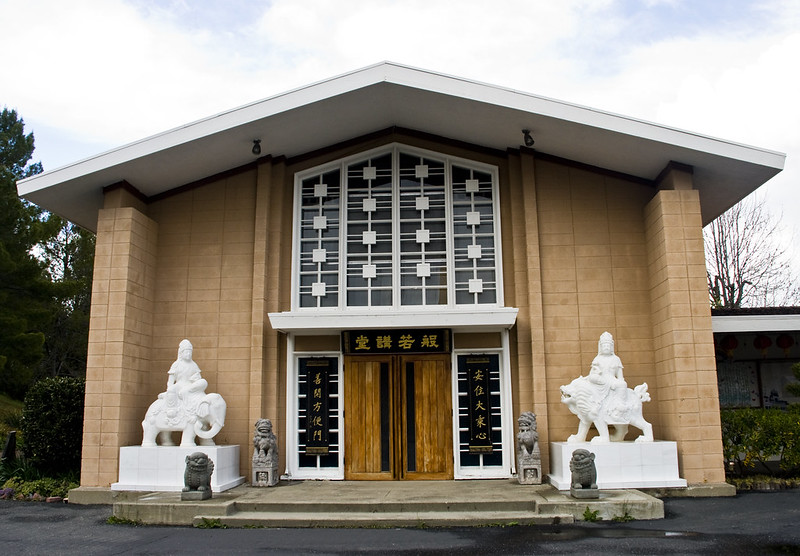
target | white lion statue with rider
[{"x": 603, "y": 399}]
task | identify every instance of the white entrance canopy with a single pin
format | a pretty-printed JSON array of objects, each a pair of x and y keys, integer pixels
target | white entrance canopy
[{"x": 389, "y": 95}]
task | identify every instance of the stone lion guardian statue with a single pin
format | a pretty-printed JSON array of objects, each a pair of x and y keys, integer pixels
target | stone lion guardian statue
[{"x": 603, "y": 399}]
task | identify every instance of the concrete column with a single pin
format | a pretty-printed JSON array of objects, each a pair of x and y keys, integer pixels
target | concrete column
[
  {"x": 120, "y": 333},
  {"x": 271, "y": 279},
  {"x": 525, "y": 291},
  {"x": 682, "y": 338}
]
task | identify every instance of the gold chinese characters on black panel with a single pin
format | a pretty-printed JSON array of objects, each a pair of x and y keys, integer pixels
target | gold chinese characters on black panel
[
  {"x": 414, "y": 340},
  {"x": 478, "y": 368},
  {"x": 317, "y": 371}
]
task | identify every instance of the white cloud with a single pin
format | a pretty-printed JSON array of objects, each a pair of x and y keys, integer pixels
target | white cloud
[{"x": 93, "y": 74}]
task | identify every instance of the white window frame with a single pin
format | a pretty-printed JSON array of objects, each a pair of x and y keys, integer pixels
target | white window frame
[
  {"x": 507, "y": 468},
  {"x": 395, "y": 149},
  {"x": 293, "y": 469}
]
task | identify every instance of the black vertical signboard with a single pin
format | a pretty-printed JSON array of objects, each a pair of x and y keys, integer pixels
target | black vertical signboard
[
  {"x": 477, "y": 368},
  {"x": 317, "y": 371}
]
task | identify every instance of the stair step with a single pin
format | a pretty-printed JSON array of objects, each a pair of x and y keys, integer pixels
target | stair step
[
  {"x": 328, "y": 506},
  {"x": 384, "y": 519}
]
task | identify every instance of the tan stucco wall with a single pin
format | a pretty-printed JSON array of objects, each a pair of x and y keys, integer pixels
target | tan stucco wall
[
  {"x": 590, "y": 251},
  {"x": 584, "y": 251}
]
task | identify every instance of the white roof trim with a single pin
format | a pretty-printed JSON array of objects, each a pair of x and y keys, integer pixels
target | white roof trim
[
  {"x": 755, "y": 323},
  {"x": 386, "y": 95},
  {"x": 306, "y": 323}
]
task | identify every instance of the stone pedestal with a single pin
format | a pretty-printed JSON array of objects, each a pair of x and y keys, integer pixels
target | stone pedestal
[
  {"x": 161, "y": 468},
  {"x": 529, "y": 470},
  {"x": 264, "y": 475},
  {"x": 195, "y": 495},
  {"x": 620, "y": 464},
  {"x": 585, "y": 493}
]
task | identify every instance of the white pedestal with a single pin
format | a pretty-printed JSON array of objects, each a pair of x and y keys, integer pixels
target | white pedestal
[
  {"x": 161, "y": 468},
  {"x": 620, "y": 464}
]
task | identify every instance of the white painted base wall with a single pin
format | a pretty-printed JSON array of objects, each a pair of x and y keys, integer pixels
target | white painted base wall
[
  {"x": 620, "y": 464},
  {"x": 161, "y": 468}
]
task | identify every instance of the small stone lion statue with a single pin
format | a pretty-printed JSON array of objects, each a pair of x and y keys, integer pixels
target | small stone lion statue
[
  {"x": 265, "y": 444},
  {"x": 197, "y": 477},
  {"x": 583, "y": 483},
  {"x": 265, "y": 454},
  {"x": 529, "y": 457},
  {"x": 528, "y": 436}
]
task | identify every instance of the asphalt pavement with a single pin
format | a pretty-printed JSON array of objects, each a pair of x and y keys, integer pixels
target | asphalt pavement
[{"x": 749, "y": 523}]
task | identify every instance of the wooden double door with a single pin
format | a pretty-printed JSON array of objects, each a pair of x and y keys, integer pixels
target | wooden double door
[{"x": 398, "y": 417}]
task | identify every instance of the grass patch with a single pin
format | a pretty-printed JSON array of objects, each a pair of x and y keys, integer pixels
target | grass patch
[
  {"x": 114, "y": 520},
  {"x": 7, "y": 403},
  {"x": 206, "y": 523},
  {"x": 10, "y": 418}
]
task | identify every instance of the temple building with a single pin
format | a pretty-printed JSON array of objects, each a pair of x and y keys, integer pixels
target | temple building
[{"x": 392, "y": 265}]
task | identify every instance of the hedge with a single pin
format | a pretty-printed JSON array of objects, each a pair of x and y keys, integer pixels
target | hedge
[
  {"x": 52, "y": 425},
  {"x": 753, "y": 437}
]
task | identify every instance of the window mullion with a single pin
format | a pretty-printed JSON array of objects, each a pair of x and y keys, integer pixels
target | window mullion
[
  {"x": 396, "y": 255},
  {"x": 450, "y": 242}
]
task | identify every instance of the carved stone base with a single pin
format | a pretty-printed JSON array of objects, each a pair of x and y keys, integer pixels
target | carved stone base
[
  {"x": 620, "y": 464},
  {"x": 584, "y": 493},
  {"x": 529, "y": 472},
  {"x": 264, "y": 476},
  {"x": 192, "y": 495},
  {"x": 161, "y": 468}
]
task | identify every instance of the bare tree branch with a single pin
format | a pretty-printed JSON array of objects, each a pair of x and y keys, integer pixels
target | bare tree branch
[{"x": 747, "y": 262}]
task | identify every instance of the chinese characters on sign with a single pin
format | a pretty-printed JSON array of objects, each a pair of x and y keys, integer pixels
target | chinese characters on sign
[
  {"x": 317, "y": 371},
  {"x": 396, "y": 341},
  {"x": 477, "y": 369}
]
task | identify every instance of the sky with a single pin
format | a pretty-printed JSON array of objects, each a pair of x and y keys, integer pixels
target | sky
[{"x": 91, "y": 75}]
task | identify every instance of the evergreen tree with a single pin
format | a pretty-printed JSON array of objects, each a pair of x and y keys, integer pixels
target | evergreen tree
[
  {"x": 45, "y": 276},
  {"x": 23, "y": 289},
  {"x": 69, "y": 256}
]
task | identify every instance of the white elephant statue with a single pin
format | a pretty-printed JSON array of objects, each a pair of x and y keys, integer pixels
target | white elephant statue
[
  {"x": 168, "y": 414},
  {"x": 184, "y": 406}
]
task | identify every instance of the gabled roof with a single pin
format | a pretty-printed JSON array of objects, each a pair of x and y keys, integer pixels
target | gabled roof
[{"x": 386, "y": 95}]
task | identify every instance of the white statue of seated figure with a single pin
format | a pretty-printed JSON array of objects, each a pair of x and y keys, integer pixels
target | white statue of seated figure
[
  {"x": 184, "y": 406},
  {"x": 603, "y": 398}
]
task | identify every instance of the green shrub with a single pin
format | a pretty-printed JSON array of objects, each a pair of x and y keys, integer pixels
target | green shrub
[
  {"x": 751, "y": 437},
  {"x": 52, "y": 424},
  {"x": 19, "y": 469},
  {"x": 591, "y": 515},
  {"x": 43, "y": 487}
]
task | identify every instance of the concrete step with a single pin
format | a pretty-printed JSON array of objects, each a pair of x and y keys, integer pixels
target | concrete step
[
  {"x": 315, "y": 507},
  {"x": 381, "y": 519},
  {"x": 385, "y": 504}
]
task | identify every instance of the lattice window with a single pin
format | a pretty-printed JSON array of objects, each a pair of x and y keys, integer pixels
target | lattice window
[
  {"x": 423, "y": 231},
  {"x": 369, "y": 232},
  {"x": 413, "y": 229},
  {"x": 474, "y": 237},
  {"x": 319, "y": 240}
]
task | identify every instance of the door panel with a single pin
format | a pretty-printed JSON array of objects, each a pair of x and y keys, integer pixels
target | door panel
[
  {"x": 368, "y": 407},
  {"x": 398, "y": 418},
  {"x": 429, "y": 439}
]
